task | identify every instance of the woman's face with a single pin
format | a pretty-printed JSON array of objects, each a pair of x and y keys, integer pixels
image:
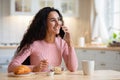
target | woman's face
[{"x": 54, "y": 23}]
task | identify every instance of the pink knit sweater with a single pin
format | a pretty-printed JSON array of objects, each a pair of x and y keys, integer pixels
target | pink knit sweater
[{"x": 53, "y": 52}]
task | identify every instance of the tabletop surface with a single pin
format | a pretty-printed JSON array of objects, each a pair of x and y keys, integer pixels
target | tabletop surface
[{"x": 78, "y": 75}]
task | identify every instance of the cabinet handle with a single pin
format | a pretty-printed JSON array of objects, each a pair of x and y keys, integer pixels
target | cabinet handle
[
  {"x": 102, "y": 64},
  {"x": 102, "y": 52},
  {"x": 0, "y": 66},
  {"x": 7, "y": 61},
  {"x": 84, "y": 50},
  {"x": 119, "y": 53}
]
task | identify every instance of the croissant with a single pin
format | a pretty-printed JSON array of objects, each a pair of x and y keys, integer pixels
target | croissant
[{"x": 22, "y": 69}]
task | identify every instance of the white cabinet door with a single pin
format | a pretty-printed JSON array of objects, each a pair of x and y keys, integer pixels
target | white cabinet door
[
  {"x": 21, "y": 7},
  {"x": 66, "y": 7},
  {"x": 85, "y": 55},
  {"x": 118, "y": 61},
  {"x": 3, "y": 68},
  {"x": 103, "y": 59},
  {"x": 118, "y": 58},
  {"x": 5, "y": 57},
  {"x": 69, "y": 7},
  {"x": 31, "y": 7},
  {"x": 7, "y": 52},
  {"x": 39, "y": 4},
  {"x": 107, "y": 60}
]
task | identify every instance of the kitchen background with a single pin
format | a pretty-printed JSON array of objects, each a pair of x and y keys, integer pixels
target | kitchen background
[
  {"x": 79, "y": 17},
  {"x": 13, "y": 24}
]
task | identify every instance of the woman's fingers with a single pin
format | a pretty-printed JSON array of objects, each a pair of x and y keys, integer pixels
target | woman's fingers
[
  {"x": 65, "y": 29},
  {"x": 67, "y": 36},
  {"x": 43, "y": 64}
]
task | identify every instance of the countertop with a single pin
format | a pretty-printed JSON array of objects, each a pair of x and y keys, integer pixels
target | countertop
[
  {"x": 8, "y": 47},
  {"x": 87, "y": 46},
  {"x": 78, "y": 75},
  {"x": 97, "y": 47}
]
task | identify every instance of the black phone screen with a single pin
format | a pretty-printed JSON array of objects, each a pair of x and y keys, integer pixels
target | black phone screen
[{"x": 62, "y": 33}]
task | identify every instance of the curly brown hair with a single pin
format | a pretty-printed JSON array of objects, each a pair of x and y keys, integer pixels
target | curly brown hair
[{"x": 38, "y": 27}]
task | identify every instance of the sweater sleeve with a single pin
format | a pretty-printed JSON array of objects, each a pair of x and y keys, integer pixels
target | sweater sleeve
[
  {"x": 70, "y": 58},
  {"x": 19, "y": 59}
]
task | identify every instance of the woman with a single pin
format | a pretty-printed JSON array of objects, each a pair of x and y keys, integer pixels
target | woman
[{"x": 45, "y": 43}]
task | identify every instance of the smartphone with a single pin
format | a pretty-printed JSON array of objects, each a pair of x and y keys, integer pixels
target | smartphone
[{"x": 62, "y": 33}]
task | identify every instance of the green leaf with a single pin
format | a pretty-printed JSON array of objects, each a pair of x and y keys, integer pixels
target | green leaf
[{"x": 114, "y": 35}]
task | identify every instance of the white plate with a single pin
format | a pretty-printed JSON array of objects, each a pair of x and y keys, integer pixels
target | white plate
[{"x": 21, "y": 75}]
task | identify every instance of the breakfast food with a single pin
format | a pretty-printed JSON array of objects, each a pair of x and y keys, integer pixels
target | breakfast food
[
  {"x": 22, "y": 69},
  {"x": 57, "y": 70}
]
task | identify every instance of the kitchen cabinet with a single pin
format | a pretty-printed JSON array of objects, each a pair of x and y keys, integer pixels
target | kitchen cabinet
[
  {"x": 31, "y": 7},
  {"x": 103, "y": 59},
  {"x": 20, "y": 7},
  {"x": 68, "y": 8},
  {"x": 5, "y": 57},
  {"x": 3, "y": 68}
]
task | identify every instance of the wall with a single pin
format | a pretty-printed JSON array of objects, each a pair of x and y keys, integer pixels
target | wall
[
  {"x": 84, "y": 28},
  {"x": 80, "y": 27},
  {"x": 12, "y": 28},
  {"x": 72, "y": 24},
  {"x": 0, "y": 18}
]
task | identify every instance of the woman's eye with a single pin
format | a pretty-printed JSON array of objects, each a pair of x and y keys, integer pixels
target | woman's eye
[
  {"x": 59, "y": 19},
  {"x": 52, "y": 20}
]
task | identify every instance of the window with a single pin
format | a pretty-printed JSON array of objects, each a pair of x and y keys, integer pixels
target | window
[
  {"x": 112, "y": 15},
  {"x": 107, "y": 20}
]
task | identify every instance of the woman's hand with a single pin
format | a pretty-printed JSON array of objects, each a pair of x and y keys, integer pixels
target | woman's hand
[
  {"x": 67, "y": 36},
  {"x": 41, "y": 66}
]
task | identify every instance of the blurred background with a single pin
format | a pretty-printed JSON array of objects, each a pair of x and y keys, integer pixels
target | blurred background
[{"x": 97, "y": 21}]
